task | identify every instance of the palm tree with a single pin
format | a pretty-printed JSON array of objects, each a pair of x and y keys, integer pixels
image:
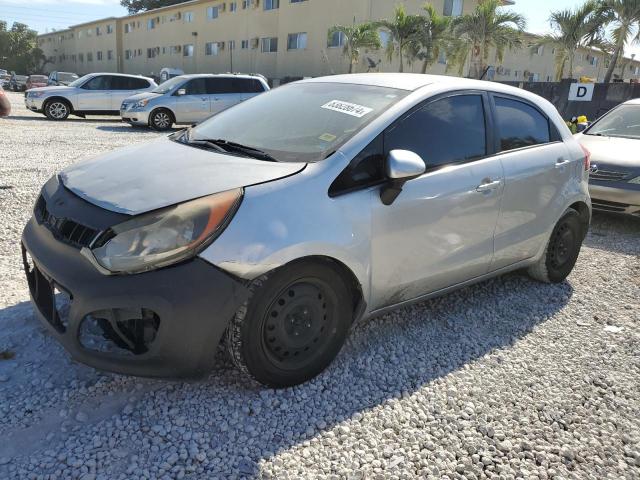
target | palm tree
[
  {"x": 403, "y": 30},
  {"x": 357, "y": 37},
  {"x": 581, "y": 27},
  {"x": 487, "y": 28},
  {"x": 432, "y": 38},
  {"x": 625, "y": 17}
]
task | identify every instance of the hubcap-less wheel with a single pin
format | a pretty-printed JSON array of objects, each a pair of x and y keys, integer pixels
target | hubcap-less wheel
[
  {"x": 161, "y": 120},
  {"x": 58, "y": 110},
  {"x": 562, "y": 246},
  {"x": 298, "y": 324}
]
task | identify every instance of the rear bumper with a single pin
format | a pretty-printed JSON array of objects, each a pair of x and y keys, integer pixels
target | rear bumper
[
  {"x": 618, "y": 198},
  {"x": 186, "y": 309}
]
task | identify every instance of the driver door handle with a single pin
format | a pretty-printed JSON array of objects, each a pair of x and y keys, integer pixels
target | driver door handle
[
  {"x": 561, "y": 162},
  {"x": 487, "y": 185}
]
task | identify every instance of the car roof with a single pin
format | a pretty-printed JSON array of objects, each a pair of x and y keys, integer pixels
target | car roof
[
  {"x": 115, "y": 75},
  {"x": 633, "y": 101},
  {"x": 221, "y": 75}
]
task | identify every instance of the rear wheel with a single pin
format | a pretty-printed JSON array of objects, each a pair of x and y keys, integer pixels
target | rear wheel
[
  {"x": 161, "y": 119},
  {"x": 562, "y": 251},
  {"x": 293, "y": 325},
  {"x": 57, "y": 110}
]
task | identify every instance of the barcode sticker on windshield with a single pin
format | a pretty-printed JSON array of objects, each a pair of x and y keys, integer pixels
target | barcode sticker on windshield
[{"x": 349, "y": 108}]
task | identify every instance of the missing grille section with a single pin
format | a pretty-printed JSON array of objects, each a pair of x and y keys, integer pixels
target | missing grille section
[
  {"x": 119, "y": 331},
  {"x": 64, "y": 229}
]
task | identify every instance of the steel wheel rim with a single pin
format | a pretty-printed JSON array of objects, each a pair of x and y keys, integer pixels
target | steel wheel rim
[
  {"x": 562, "y": 246},
  {"x": 161, "y": 120},
  {"x": 58, "y": 110},
  {"x": 299, "y": 324}
]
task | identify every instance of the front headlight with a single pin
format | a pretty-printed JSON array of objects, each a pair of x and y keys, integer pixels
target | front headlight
[
  {"x": 166, "y": 236},
  {"x": 635, "y": 180},
  {"x": 35, "y": 94},
  {"x": 141, "y": 104}
]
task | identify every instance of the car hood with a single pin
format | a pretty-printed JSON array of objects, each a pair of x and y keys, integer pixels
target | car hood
[
  {"x": 148, "y": 176},
  {"x": 616, "y": 151},
  {"x": 56, "y": 88},
  {"x": 141, "y": 96}
]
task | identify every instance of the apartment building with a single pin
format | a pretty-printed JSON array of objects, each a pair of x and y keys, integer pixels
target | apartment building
[{"x": 278, "y": 38}]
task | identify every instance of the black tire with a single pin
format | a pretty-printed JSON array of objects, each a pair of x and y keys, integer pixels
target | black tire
[
  {"x": 562, "y": 250},
  {"x": 293, "y": 325},
  {"x": 161, "y": 119},
  {"x": 57, "y": 109}
]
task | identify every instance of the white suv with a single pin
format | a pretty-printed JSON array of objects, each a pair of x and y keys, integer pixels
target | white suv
[
  {"x": 190, "y": 99},
  {"x": 93, "y": 94}
]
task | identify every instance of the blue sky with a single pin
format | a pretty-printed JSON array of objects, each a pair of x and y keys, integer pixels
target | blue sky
[{"x": 44, "y": 15}]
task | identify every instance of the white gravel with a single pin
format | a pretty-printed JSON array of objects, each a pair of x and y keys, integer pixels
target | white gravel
[{"x": 507, "y": 379}]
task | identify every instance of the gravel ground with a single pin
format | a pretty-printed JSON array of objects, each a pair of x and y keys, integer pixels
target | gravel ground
[{"x": 506, "y": 379}]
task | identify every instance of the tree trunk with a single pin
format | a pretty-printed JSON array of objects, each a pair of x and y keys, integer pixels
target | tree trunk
[
  {"x": 401, "y": 70},
  {"x": 425, "y": 66},
  {"x": 612, "y": 64}
]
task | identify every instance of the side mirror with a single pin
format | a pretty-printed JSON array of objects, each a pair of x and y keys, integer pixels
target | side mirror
[
  {"x": 181, "y": 92},
  {"x": 400, "y": 167}
]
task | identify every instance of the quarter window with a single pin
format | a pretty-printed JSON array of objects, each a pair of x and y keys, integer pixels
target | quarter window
[
  {"x": 519, "y": 125},
  {"x": 445, "y": 131}
]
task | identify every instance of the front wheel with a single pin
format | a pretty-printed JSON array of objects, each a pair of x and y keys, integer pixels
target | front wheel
[
  {"x": 161, "y": 120},
  {"x": 293, "y": 325},
  {"x": 562, "y": 251},
  {"x": 57, "y": 110}
]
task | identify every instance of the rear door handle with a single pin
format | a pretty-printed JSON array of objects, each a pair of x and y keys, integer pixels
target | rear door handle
[
  {"x": 488, "y": 185},
  {"x": 561, "y": 162}
]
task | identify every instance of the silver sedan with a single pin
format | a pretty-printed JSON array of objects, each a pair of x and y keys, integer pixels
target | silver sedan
[
  {"x": 614, "y": 141},
  {"x": 281, "y": 221}
]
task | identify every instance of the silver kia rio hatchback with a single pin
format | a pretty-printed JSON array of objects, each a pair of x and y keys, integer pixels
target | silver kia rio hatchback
[{"x": 275, "y": 225}]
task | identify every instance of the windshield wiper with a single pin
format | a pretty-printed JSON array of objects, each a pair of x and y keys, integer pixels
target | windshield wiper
[{"x": 233, "y": 147}]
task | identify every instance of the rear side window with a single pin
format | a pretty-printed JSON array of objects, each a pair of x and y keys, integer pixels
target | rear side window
[
  {"x": 449, "y": 130},
  {"x": 219, "y": 86},
  {"x": 138, "y": 83},
  {"x": 128, "y": 83},
  {"x": 520, "y": 125}
]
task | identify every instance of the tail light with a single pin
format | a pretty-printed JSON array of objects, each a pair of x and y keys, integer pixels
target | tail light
[{"x": 587, "y": 158}]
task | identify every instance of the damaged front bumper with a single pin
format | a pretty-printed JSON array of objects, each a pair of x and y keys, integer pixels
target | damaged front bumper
[{"x": 163, "y": 323}]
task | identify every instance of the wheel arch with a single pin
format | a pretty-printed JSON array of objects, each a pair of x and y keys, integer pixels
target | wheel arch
[
  {"x": 162, "y": 107},
  {"x": 585, "y": 215},
  {"x": 61, "y": 99}
]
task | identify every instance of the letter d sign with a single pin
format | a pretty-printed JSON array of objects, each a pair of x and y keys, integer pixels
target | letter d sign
[{"x": 581, "y": 92}]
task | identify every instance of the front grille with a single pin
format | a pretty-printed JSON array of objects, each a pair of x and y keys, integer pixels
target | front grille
[
  {"x": 64, "y": 229},
  {"x": 608, "y": 175},
  {"x": 609, "y": 206}
]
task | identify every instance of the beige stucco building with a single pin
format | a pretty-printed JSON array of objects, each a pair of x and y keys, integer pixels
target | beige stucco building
[{"x": 277, "y": 38}]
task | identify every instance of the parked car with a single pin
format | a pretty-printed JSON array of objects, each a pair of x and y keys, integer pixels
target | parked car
[
  {"x": 5, "y": 104},
  {"x": 614, "y": 142},
  {"x": 190, "y": 99},
  {"x": 5, "y": 77},
  {"x": 35, "y": 81},
  {"x": 18, "y": 83},
  {"x": 61, "y": 78},
  {"x": 93, "y": 94},
  {"x": 284, "y": 219}
]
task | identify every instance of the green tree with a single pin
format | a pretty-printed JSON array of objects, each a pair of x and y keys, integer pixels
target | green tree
[
  {"x": 476, "y": 34},
  {"x": 573, "y": 29},
  {"x": 403, "y": 31},
  {"x": 135, "y": 6},
  {"x": 432, "y": 37},
  {"x": 18, "y": 50},
  {"x": 357, "y": 38},
  {"x": 624, "y": 16}
]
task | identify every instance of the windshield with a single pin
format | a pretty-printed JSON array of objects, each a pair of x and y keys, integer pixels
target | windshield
[
  {"x": 168, "y": 85},
  {"x": 80, "y": 81},
  {"x": 38, "y": 78},
  {"x": 300, "y": 122},
  {"x": 623, "y": 121},
  {"x": 66, "y": 77}
]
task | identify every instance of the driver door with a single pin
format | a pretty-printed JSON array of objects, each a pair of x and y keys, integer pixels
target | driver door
[
  {"x": 95, "y": 94},
  {"x": 440, "y": 230}
]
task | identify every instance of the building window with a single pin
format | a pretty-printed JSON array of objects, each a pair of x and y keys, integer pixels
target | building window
[
  {"x": 89, "y": 57},
  {"x": 233, "y": 7},
  {"x": 271, "y": 4},
  {"x": 127, "y": 54},
  {"x": 232, "y": 44},
  {"x": 175, "y": 49},
  {"x": 452, "y": 8},
  {"x": 98, "y": 32},
  {"x": 548, "y": 78},
  {"x": 211, "y": 49},
  {"x": 151, "y": 24},
  {"x": 442, "y": 58},
  {"x": 297, "y": 1},
  {"x": 74, "y": 59},
  {"x": 188, "y": 17},
  {"x": 89, "y": 32},
  {"x": 99, "y": 56},
  {"x": 81, "y": 57},
  {"x": 151, "y": 52},
  {"x": 128, "y": 27},
  {"x": 79, "y": 35},
  {"x": 338, "y": 39},
  {"x": 270, "y": 45},
  {"x": 244, "y": 45},
  {"x": 187, "y": 50},
  {"x": 109, "y": 54},
  {"x": 109, "y": 28},
  {"x": 212, "y": 12},
  {"x": 540, "y": 50},
  {"x": 297, "y": 41},
  {"x": 245, "y": 4}
]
